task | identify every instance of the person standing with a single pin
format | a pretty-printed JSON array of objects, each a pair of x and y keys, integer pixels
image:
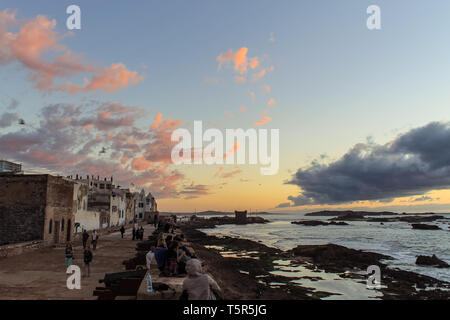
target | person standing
[
  {"x": 85, "y": 238},
  {"x": 141, "y": 233},
  {"x": 155, "y": 220},
  {"x": 87, "y": 260},
  {"x": 122, "y": 231},
  {"x": 150, "y": 256},
  {"x": 134, "y": 233},
  {"x": 69, "y": 254},
  {"x": 94, "y": 239}
]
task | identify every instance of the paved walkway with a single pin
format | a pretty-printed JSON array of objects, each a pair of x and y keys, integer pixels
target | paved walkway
[{"x": 41, "y": 274}]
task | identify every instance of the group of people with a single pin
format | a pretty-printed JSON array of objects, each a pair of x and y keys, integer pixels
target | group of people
[
  {"x": 175, "y": 259},
  {"x": 166, "y": 225},
  {"x": 87, "y": 257},
  {"x": 87, "y": 253},
  {"x": 85, "y": 237},
  {"x": 138, "y": 234},
  {"x": 171, "y": 257}
]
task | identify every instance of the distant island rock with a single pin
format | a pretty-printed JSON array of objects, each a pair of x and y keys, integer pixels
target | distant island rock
[
  {"x": 319, "y": 223},
  {"x": 358, "y": 216},
  {"x": 328, "y": 213},
  {"x": 422, "y": 226},
  {"x": 210, "y": 213}
]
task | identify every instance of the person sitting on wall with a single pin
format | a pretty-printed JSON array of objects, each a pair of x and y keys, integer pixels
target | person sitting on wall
[
  {"x": 150, "y": 256},
  {"x": 198, "y": 285},
  {"x": 160, "y": 254},
  {"x": 183, "y": 256},
  {"x": 170, "y": 265}
]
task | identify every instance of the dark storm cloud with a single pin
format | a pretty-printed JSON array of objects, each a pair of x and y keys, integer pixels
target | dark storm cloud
[{"x": 413, "y": 164}]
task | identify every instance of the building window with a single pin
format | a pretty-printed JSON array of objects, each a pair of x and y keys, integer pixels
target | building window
[
  {"x": 62, "y": 225},
  {"x": 102, "y": 186},
  {"x": 114, "y": 208},
  {"x": 50, "y": 226}
]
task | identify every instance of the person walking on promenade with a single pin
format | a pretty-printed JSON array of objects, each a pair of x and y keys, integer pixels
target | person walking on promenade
[
  {"x": 85, "y": 238},
  {"x": 122, "y": 231},
  {"x": 155, "y": 220},
  {"x": 87, "y": 260},
  {"x": 134, "y": 233},
  {"x": 94, "y": 239},
  {"x": 69, "y": 254}
]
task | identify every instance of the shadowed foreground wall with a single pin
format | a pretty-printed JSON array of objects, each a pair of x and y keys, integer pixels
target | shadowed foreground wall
[
  {"x": 22, "y": 208},
  {"x": 30, "y": 204}
]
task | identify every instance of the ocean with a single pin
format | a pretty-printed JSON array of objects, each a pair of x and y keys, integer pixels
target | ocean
[{"x": 396, "y": 239}]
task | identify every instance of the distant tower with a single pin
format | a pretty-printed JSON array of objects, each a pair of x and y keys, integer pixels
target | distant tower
[{"x": 240, "y": 217}]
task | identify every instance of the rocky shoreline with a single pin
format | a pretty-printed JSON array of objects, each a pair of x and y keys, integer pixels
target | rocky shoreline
[{"x": 247, "y": 269}]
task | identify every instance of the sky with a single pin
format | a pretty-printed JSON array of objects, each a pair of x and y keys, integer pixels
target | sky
[{"x": 362, "y": 114}]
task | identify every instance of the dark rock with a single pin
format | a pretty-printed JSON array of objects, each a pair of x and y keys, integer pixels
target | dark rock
[
  {"x": 340, "y": 223},
  {"x": 319, "y": 223},
  {"x": 431, "y": 261},
  {"x": 334, "y": 255},
  {"x": 422, "y": 226},
  {"x": 311, "y": 223}
]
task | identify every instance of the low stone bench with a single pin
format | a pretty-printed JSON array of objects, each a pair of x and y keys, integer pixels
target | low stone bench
[{"x": 173, "y": 293}]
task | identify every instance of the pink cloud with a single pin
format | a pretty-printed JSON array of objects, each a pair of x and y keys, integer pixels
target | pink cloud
[
  {"x": 60, "y": 144},
  {"x": 258, "y": 76},
  {"x": 260, "y": 122},
  {"x": 229, "y": 115},
  {"x": 231, "y": 173},
  {"x": 158, "y": 119},
  {"x": 218, "y": 172},
  {"x": 35, "y": 38},
  {"x": 252, "y": 95},
  {"x": 239, "y": 59}
]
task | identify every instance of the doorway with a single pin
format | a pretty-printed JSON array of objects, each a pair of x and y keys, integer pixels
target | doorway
[{"x": 69, "y": 230}]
